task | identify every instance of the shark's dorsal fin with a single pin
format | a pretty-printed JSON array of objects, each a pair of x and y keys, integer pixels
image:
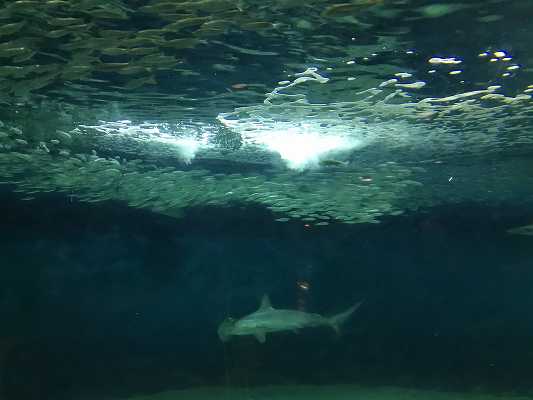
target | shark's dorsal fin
[{"x": 265, "y": 303}]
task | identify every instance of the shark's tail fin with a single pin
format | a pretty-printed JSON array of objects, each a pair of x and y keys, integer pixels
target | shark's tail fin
[{"x": 338, "y": 320}]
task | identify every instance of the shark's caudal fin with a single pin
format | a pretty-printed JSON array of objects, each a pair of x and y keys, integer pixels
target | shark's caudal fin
[{"x": 338, "y": 320}]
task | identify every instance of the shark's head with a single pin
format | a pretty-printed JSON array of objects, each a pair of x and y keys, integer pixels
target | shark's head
[{"x": 225, "y": 329}]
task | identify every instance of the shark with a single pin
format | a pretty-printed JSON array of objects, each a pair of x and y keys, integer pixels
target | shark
[
  {"x": 268, "y": 319},
  {"x": 526, "y": 230}
]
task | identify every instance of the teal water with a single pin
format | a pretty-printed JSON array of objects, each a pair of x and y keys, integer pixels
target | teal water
[{"x": 166, "y": 164}]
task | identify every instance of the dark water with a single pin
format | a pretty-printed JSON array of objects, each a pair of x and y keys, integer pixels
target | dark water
[
  {"x": 109, "y": 301},
  {"x": 164, "y": 164}
]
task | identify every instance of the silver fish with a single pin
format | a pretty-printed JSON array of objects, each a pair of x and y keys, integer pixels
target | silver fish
[{"x": 267, "y": 319}]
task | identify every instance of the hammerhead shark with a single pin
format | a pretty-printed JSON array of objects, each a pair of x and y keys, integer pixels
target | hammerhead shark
[{"x": 268, "y": 319}]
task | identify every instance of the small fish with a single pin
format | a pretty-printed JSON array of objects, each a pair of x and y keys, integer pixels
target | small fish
[
  {"x": 73, "y": 72},
  {"x": 13, "y": 71},
  {"x": 158, "y": 8},
  {"x": 24, "y": 57},
  {"x": 181, "y": 43},
  {"x": 58, "y": 33},
  {"x": 157, "y": 61},
  {"x": 64, "y": 21},
  {"x": 56, "y": 3},
  {"x": 207, "y": 33},
  {"x": 333, "y": 163},
  {"x": 139, "y": 82},
  {"x": 217, "y": 24},
  {"x": 439, "y": 9},
  {"x": 185, "y": 23},
  {"x": 268, "y": 319},
  {"x": 344, "y": 9},
  {"x": 9, "y": 29},
  {"x": 115, "y": 34},
  {"x": 109, "y": 67},
  {"x": 142, "y": 41},
  {"x": 340, "y": 9},
  {"x": 133, "y": 70},
  {"x": 239, "y": 86},
  {"x": 114, "y": 51},
  {"x": 14, "y": 52},
  {"x": 151, "y": 33},
  {"x": 108, "y": 12},
  {"x": 257, "y": 26},
  {"x": 243, "y": 50},
  {"x": 211, "y": 6},
  {"x": 142, "y": 51},
  {"x": 23, "y": 6}
]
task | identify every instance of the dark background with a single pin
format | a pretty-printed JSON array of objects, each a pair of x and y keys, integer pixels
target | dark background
[{"x": 108, "y": 300}]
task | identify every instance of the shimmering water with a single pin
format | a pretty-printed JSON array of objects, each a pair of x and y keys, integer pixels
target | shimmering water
[{"x": 271, "y": 127}]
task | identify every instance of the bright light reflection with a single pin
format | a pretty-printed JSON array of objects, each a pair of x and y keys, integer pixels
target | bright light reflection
[
  {"x": 302, "y": 150},
  {"x": 186, "y": 147}
]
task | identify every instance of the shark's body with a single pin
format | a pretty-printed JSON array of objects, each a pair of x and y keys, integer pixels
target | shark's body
[{"x": 268, "y": 319}]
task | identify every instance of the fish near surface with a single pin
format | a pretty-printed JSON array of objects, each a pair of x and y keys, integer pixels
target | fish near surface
[{"x": 268, "y": 319}]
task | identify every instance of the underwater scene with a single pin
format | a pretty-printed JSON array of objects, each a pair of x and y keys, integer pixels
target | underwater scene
[{"x": 266, "y": 200}]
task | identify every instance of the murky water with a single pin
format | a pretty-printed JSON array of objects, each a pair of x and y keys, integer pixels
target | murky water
[{"x": 327, "y": 116}]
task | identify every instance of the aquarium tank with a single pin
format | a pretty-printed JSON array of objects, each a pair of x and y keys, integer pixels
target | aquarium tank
[{"x": 266, "y": 199}]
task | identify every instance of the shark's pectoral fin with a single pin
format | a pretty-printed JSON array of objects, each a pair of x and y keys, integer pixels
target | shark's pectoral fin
[{"x": 261, "y": 337}]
